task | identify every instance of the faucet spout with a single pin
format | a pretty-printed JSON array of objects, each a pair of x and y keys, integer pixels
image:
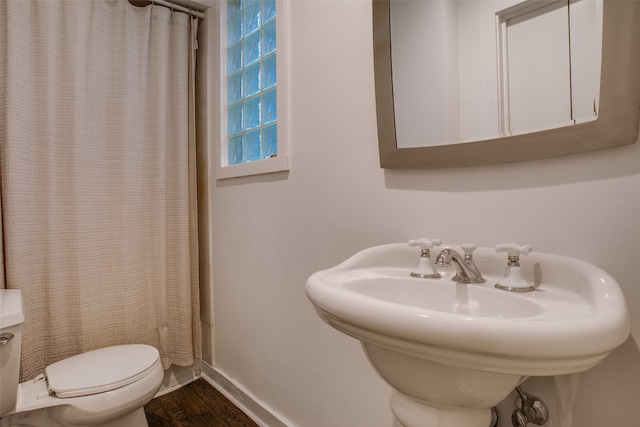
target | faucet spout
[{"x": 467, "y": 271}]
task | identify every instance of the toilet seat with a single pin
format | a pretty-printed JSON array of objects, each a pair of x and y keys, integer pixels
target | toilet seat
[{"x": 101, "y": 370}]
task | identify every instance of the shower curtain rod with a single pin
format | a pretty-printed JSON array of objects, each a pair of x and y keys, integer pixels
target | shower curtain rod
[{"x": 177, "y": 6}]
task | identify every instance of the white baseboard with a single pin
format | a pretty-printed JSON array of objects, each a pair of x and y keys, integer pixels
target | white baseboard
[
  {"x": 178, "y": 376},
  {"x": 244, "y": 400}
]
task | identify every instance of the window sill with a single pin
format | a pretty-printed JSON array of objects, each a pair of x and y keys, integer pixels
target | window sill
[{"x": 275, "y": 164}]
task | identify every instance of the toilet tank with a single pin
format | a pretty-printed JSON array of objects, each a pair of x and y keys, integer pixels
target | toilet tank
[{"x": 11, "y": 319}]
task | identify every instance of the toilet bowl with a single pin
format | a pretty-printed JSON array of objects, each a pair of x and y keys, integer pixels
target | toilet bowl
[{"x": 107, "y": 387}]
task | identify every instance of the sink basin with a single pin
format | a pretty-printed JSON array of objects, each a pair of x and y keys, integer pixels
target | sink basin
[
  {"x": 441, "y": 296},
  {"x": 452, "y": 351}
]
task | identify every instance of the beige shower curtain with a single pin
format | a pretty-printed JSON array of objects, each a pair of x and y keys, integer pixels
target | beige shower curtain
[{"x": 97, "y": 169}]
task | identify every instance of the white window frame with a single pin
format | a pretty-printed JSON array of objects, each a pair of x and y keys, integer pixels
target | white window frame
[{"x": 275, "y": 164}]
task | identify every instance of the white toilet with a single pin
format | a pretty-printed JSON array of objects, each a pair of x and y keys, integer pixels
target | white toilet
[{"x": 106, "y": 387}]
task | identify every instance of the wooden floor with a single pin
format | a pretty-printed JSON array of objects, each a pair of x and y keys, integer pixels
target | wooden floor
[{"x": 197, "y": 404}]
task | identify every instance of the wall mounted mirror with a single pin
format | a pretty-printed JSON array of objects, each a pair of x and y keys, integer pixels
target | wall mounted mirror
[{"x": 473, "y": 82}]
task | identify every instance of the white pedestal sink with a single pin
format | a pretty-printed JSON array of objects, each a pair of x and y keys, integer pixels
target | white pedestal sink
[{"x": 453, "y": 351}]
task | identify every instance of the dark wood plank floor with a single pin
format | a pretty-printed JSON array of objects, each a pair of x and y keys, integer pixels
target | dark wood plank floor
[{"x": 197, "y": 404}]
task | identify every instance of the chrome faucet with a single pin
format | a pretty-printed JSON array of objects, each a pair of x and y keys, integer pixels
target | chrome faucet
[{"x": 467, "y": 271}]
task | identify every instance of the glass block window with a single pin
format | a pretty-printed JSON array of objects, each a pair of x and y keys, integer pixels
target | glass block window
[{"x": 252, "y": 112}]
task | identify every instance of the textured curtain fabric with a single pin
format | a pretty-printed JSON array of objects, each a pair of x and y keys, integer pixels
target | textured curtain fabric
[
  {"x": 2, "y": 284},
  {"x": 97, "y": 168}
]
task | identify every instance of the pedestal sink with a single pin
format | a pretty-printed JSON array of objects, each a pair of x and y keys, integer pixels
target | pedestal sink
[{"x": 453, "y": 351}]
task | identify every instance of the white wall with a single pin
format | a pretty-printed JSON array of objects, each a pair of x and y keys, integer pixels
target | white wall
[{"x": 271, "y": 232}]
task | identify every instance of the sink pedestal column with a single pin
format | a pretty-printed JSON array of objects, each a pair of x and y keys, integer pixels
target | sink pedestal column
[
  {"x": 431, "y": 394},
  {"x": 411, "y": 413}
]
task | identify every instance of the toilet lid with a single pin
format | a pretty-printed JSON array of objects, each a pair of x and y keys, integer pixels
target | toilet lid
[{"x": 101, "y": 370}]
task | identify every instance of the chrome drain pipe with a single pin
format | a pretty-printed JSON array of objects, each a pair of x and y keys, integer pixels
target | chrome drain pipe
[
  {"x": 529, "y": 409},
  {"x": 494, "y": 417}
]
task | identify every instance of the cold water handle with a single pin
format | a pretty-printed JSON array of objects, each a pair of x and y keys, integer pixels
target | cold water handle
[{"x": 513, "y": 280}]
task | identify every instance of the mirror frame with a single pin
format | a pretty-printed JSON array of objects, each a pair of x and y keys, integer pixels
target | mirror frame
[{"x": 616, "y": 125}]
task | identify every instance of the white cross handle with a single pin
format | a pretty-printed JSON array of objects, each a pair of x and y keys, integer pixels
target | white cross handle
[
  {"x": 514, "y": 249},
  {"x": 425, "y": 243},
  {"x": 468, "y": 248}
]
